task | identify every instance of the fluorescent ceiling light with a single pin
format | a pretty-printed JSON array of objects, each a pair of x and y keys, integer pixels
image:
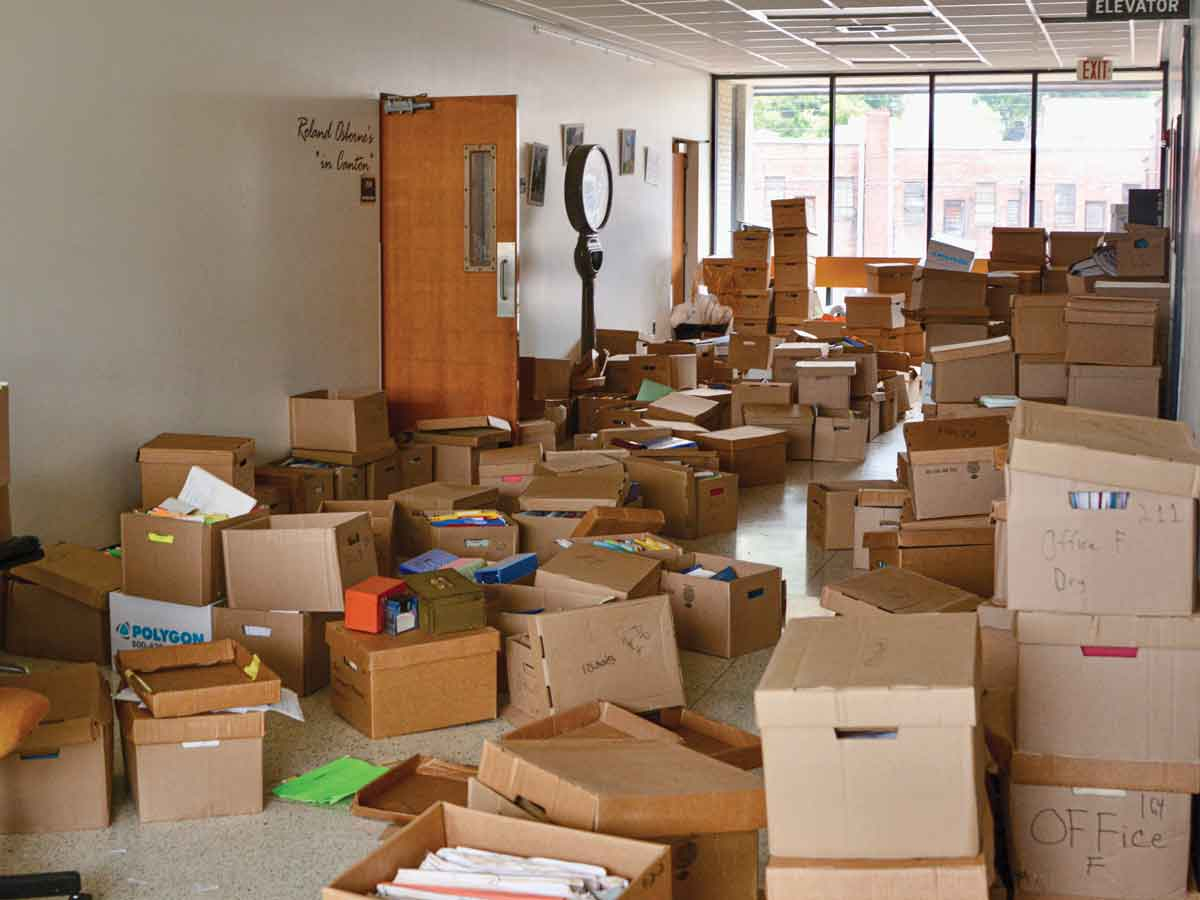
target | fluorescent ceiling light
[
  {"x": 912, "y": 59},
  {"x": 780, "y": 16},
  {"x": 890, "y": 39}
]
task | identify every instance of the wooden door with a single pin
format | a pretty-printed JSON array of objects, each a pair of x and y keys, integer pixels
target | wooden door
[
  {"x": 679, "y": 163},
  {"x": 448, "y": 349}
]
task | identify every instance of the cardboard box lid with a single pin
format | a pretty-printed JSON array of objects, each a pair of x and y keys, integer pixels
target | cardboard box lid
[
  {"x": 1132, "y": 452},
  {"x": 683, "y": 405},
  {"x": 872, "y": 672},
  {"x": 189, "y": 679},
  {"x": 378, "y": 652},
  {"x": 779, "y": 415},
  {"x": 1173, "y": 633},
  {"x": 955, "y": 434},
  {"x": 971, "y": 350},
  {"x": 509, "y": 606},
  {"x": 445, "y": 495},
  {"x": 620, "y": 571},
  {"x": 1132, "y": 311},
  {"x": 80, "y": 707},
  {"x": 598, "y": 720},
  {"x": 890, "y": 268},
  {"x": 710, "y": 393},
  {"x": 962, "y": 531},
  {"x": 896, "y": 590},
  {"x": 194, "y": 448},
  {"x": 1035, "y": 301},
  {"x": 568, "y": 461},
  {"x": 140, "y": 727},
  {"x": 823, "y": 368},
  {"x": 802, "y": 350},
  {"x": 746, "y": 437},
  {"x": 577, "y": 493},
  {"x": 507, "y": 457},
  {"x": 632, "y": 788},
  {"x": 462, "y": 423},
  {"x": 888, "y": 498},
  {"x": 81, "y": 573},
  {"x": 1124, "y": 373}
]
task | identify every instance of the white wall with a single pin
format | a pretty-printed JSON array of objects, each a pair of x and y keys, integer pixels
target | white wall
[{"x": 173, "y": 258}]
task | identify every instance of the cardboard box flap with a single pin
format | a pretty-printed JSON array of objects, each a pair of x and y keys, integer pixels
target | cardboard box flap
[
  {"x": 970, "y": 350},
  {"x": 463, "y": 423},
  {"x": 188, "y": 679},
  {"x": 1172, "y": 633},
  {"x": 81, "y": 573},
  {"x": 630, "y": 788},
  {"x": 623, "y": 572},
  {"x": 1079, "y": 314},
  {"x": 956, "y": 532},
  {"x": 888, "y": 498},
  {"x": 142, "y": 728},
  {"x": 376, "y": 652},
  {"x": 564, "y": 462},
  {"x": 746, "y": 437},
  {"x": 505, "y": 458},
  {"x": 572, "y": 492},
  {"x": 79, "y": 707},
  {"x": 598, "y": 720},
  {"x": 895, "y": 590},
  {"x": 683, "y": 405},
  {"x": 872, "y": 672},
  {"x": 825, "y": 367},
  {"x": 1039, "y": 301},
  {"x": 779, "y": 416},
  {"x": 956, "y": 434},
  {"x": 1132, "y": 452},
  {"x": 409, "y": 788},
  {"x": 1124, "y": 373},
  {"x": 443, "y": 495},
  {"x": 801, "y": 350},
  {"x": 195, "y": 449}
]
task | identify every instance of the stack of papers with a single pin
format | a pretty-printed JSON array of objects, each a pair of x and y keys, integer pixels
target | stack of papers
[
  {"x": 467, "y": 518},
  {"x": 632, "y": 545},
  {"x": 457, "y": 873},
  {"x": 726, "y": 574},
  {"x": 671, "y": 443},
  {"x": 997, "y": 401},
  {"x": 205, "y": 498}
]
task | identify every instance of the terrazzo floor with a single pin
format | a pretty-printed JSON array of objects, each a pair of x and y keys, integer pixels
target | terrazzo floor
[{"x": 290, "y": 851}]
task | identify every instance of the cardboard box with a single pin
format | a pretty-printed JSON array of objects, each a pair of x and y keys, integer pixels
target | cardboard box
[
  {"x": 57, "y": 607},
  {"x": 793, "y": 274},
  {"x": 383, "y": 515},
  {"x": 291, "y": 643},
  {"x": 840, "y": 435},
  {"x": 510, "y": 470},
  {"x": 792, "y": 306},
  {"x": 409, "y": 788},
  {"x": 865, "y": 381},
  {"x": 617, "y": 341},
  {"x": 720, "y": 740},
  {"x": 833, "y": 689},
  {"x": 573, "y": 493},
  {"x": 685, "y": 371},
  {"x": 959, "y": 551},
  {"x": 890, "y": 591},
  {"x": 1141, "y": 251},
  {"x": 761, "y": 393},
  {"x": 824, "y": 383},
  {"x": 445, "y": 825},
  {"x": 437, "y": 496},
  {"x": 748, "y": 304},
  {"x": 1039, "y": 324},
  {"x": 919, "y": 879},
  {"x": 349, "y": 483},
  {"x": 889, "y": 278},
  {"x": 756, "y": 455},
  {"x": 625, "y": 374},
  {"x": 726, "y": 618},
  {"x": 138, "y": 623},
  {"x": 1043, "y": 378},
  {"x": 490, "y": 542},
  {"x": 388, "y": 686},
  {"x": 597, "y": 720},
  {"x": 678, "y": 407},
  {"x": 749, "y": 351},
  {"x": 954, "y": 465},
  {"x": 942, "y": 289},
  {"x": 176, "y": 560},
  {"x": 790, "y": 213},
  {"x": 791, "y": 243},
  {"x": 1070, "y": 247},
  {"x": 1132, "y": 390},
  {"x": 1111, "y": 331},
  {"x": 830, "y": 513},
  {"x": 786, "y": 355},
  {"x": 870, "y": 409},
  {"x": 582, "y": 567},
  {"x": 540, "y": 380},
  {"x": 1118, "y": 495},
  {"x": 541, "y": 530},
  {"x": 59, "y": 778},
  {"x": 305, "y": 485},
  {"x": 823, "y": 329},
  {"x": 624, "y": 652},
  {"x": 875, "y": 311},
  {"x": 876, "y": 509},
  {"x": 455, "y": 465},
  {"x": 693, "y": 506},
  {"x": 1055, "y": 280},
  {"x": 1019, "y": 245},
  {"x": 950, "y": 253},
  {"x": 346, "y": 420},
  {"x": 1100, "y": 843},
  {"x": 538, "y": 433},
  {"x": 962, "y": 373},
  {"x": 405, "y": 467},
  {"x": 940, "y": 334},
  {"x": 175, "y": 682},
  {"x": 371, "y": 454},
  {"x": 298, "y": 562},
  {"x": 796, "y": 420},
  {"x": 165, "y": 461}
]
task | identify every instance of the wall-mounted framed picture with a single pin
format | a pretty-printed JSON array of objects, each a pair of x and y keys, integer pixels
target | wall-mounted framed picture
[
  {"x": 653, "y": 163},
  {"x": 627, "y": 138},
  {"x": 539, "y": 159},
  {"x": 572, "y": 137}
]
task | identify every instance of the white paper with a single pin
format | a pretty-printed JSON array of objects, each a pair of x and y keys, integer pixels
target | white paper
[
  {"x": 208, "y": 493},
  {"x": 288, "y": 705}
]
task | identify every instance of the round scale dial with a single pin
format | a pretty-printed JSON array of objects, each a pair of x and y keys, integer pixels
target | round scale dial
[{"x": 588, "y": 188}]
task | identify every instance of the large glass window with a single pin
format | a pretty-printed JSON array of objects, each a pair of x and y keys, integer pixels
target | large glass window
[
  {"x": 1064, "y": 205},
  {"x": 981, "y": 147}
]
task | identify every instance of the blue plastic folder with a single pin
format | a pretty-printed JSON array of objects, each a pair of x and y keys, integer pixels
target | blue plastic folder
[
  {"x": 509, "y": 570},
  {"x": 429, "y": 561}
]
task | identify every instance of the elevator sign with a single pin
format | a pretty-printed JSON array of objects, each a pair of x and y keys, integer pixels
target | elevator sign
[
  {"x": 1094, "y": 68},
  {"x": 1146, "y": 10}
]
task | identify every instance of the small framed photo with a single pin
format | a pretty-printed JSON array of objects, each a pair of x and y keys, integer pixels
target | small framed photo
[
  {"x": 539, "y": 158},
  {"x": 572, "y": 137},
  {"x": 627, "y": 137},
  {"x": 653, "y": 164}
]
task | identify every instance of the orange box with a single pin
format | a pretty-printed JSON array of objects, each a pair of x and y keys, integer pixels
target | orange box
[{"x": 364, "y": 602}]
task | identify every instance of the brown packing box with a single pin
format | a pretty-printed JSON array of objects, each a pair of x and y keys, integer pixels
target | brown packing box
[
  {"x": 603, "y": 521},
  {"x": 726, "y": 618},
  {"x": 1023, "y": 245},
  {"x": 541, "y": 380},
  {"x": 939, "y": 334},
  {"x": 455, "y": 464},
  {"x": 1132, "y": 390},
  {"x": 195, "y": 767},
  {"x": 509, "y": 606},
  {"x": 348, "y": 420},
  {"x": 386, "y": 476},
  {"x": 617, "y": 341},
  {"x": 349, "y": 483},
  {"x": 796, "y": 420},
  {"x": 692, "y": 506},
  {"x": 723, "y": 397},
  {"x": 679, "y": 407},
  {"x": 791, "y": 306},
  {"x": 1117, "y": 493},
  {"x": 1141, "y": 251},
  {"x": 291, "y": 643},
  {"x": 840, "y": 435},
  {"x": 752, "y": 244},
  {"x": 539, "y": 533},
  {"x": 1093, "y": 843},
  {"x": 822, "y": 329},
  {"x": 409, "y": 788},
  {"x": 1055, "y": 280},
  {"x": 830, "y": 515},
  {"x": 1039, "y": 324},
  {"x": 833, "y": 688},
  {"x": 620, "y": 417},
  {"x": 877, "y": 509},
  {"x": 383, "y": 527},
  {"x": 1069, "y": 247},
  {"x": 388, "y": 686},
  {"x": 437, "y": 496},
  {"x": 305, "y": 487},
  {"x": 624, "y": 652},
  {"x": 1043, "y": 378},
  {"x": 953, "y": 465},
  {"x": 822, "y": 382},
  {"x": 644, "y": 864},
  {"x": 786, "y": 355},
  {"x": 749, "y": 351},
  {"x": 510, "y": 470},
  {"x": 573, "y": 493},
  {"x": 917, "y": 879},
  {"x": 57, "y": 607},
  {"x": 866, "y": 371},
  {"x": 490, "y": 542},
  {"x": 943, "y": 289},
  {"x": 768, "y": 393},
  {"x": 720, "y": 740},
  {"x": 371, "y": 454},
  {"x": 791, "y": 243},
  {"x": 959, "y": 552},
  {"x": 889, "y": 278},
  {"x": 962, "y": 373},
  {"x": 415, "y": 463},
  {"x": 625, "y": 374},
  {"x": 895, "y": 591},
  {"x": 538, "y": 432},
  {"x": 174, "y": 560},
  {"x": 166, "y": 460},
  {"x": 1111, "y": 331},
  {"x": 875, "y": 311},
  {"x": 59, "y": 778},
  {"x": 870, "y": 408},
  {"x": 189, "y": 679},
  {"x": 790, "y": 213},
  {"x": 756, "y": 455},
  {"x": 792, "y": 274},
  {"x": 300, "y": 562},
  {"x": 685, "y": 371},
  {"x": 583, "y": 567},
  {"x": 1078, "y": 675},
  {"x": 596, "y": 720}
]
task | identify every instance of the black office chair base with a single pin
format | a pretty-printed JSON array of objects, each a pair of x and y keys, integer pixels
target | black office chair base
[{"x": 46, "y": 884}]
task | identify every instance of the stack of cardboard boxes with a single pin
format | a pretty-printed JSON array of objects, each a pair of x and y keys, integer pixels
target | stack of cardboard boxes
[{"x": 792, "y": 265}]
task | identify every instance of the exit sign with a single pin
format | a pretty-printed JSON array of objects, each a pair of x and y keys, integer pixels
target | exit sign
[
  {"x": 1095, "y": 68},
  {"x": 1147, "y": 10}
]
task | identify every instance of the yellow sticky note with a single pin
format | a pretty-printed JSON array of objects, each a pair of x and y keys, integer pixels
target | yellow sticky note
[
  {"x": 156, "y": 538},
  {"x": 252, "y": 669}
]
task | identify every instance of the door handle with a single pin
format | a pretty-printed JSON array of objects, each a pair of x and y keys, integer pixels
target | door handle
[
  {"x": 506, "y": 269},
  {"x": 503, "y": 281}
]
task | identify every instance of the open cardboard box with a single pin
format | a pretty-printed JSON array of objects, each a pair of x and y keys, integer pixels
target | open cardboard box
[
  {"x": 726, "y": 618},
  {"x": 292, "y": 643},
  {"x": 958, "y": 551},
  {"x": 582, "y": 568},
  {"x": 196, "y": 678},
  {"x": 720, "y": 740},
  {"x": 692, "y": 506},
  {"x": 347, "y": 420},
  {"x": 756, "y": 455},
  {"x": 595, "y": 720},
  {"x": 165, "y": 461},
  {"x": 954, "y": 466},
  {"x": 437, "y": 496},
  {"x": 409, "y": 788},
  {"x": 383, "y": 526},
  {"x": 831, "y": 511}
]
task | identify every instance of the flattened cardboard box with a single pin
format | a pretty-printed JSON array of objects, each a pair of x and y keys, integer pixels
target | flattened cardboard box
[
  {"x": 582, "y": 566},
  {"x": 831, "y": 511},
  {"x": 344, "y": 420},
  {"x": 383, "y": 527},
  {"x": 859, "y": 699},
  {"x": 895, "y": 592},
  {"x": 165, "y": 461},
  {"x": 959, "y": 551},
  {"x": 300, "y": 562},
  {"x": 726, "y": 618},
  {"x": 196, "y": 767},
  {"x": 197, "y": 678},
  {"x": 1132, "y": 390},
  {"x": 59, "y": 778},
  {"x": 1123, "y": 540},
  {"x": 291, "y": 643},
  {"x": 389, "y": 686},
  {"x": 645, "y": 865},
  {"x": 953, "y": 465},
  {"x": 625, "y": 652}
]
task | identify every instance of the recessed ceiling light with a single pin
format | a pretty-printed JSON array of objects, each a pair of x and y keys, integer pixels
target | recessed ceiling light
[
  {"x": 902, "y": 39},
  {"x": 865, "y": 29},
  {"x": 782, "y": 16}
]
